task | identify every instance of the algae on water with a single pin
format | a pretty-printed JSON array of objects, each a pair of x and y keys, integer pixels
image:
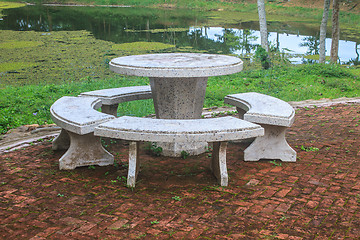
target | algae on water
[
  {"x": 30, "y": 57},
  {"x": 19, "y": 44},
  {"x": 142, "y": 46},
  {"x": 7, "y": 5}
]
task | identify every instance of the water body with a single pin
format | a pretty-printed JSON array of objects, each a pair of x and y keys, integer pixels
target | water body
[{"x": 184, "y": 28}]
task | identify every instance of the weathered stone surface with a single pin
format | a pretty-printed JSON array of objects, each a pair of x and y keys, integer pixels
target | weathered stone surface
[
  {"x": 62, "y": 141},
  {"x": 178, "y": 84},
  {"x": 176, "y": 65},
  {"x": 263, "y": 109},
  {"x": 272, "y": 145},
  {"x": 179, "y": 98},
  {"x": 275, "y": 116},
  {"x": 179, "y": 130},
  {"x": 217, "y": 130},
  {"x": 110, "y": 98},
  {"x": 85, "y": 150},
  {"x": 119, "y": 95},
  {"x": 78, "y": 114}
]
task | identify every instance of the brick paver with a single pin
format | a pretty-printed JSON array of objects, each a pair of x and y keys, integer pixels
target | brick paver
[{"x": 317, "y": 197}]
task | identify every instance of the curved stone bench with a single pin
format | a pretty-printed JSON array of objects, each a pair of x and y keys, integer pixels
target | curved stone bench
[
  {"x": 107, "y": 99},
  {"x": 275, "y": 116},
  {"x": 110, "y": 99},
  {"x": 77, "y": 115},
  {"x": 216, "y": 130}
]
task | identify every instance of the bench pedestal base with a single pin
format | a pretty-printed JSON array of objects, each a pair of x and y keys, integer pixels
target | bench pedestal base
[
  {"x": 62, "y": 141},
  {"x": 272, "y": 145},
  {"x": 85, "y": 150}
]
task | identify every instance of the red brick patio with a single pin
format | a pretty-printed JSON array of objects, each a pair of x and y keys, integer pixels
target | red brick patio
[{"x": 317, "y": 197}]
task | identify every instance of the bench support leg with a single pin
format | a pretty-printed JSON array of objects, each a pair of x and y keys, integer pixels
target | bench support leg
[
  {"x": 110, "y": 109},
  {"x": 85, "y": 150},
  {"x": 134, "y": 163},
  {"x": 62, "y": 141},
  {"x": 272, "y": 145},
  {"x": 218, "y": 162}
]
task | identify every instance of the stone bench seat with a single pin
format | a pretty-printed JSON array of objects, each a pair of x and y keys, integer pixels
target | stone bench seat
[
  {"x": 77, "y": 116},
  {"x": 216, "y": 130},
  {"x": 111, "y": 97},
  {"x": 275, "y": 116}
]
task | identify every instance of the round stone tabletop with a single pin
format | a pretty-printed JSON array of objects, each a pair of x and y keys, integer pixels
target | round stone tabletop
[{"x": 176, "y": 65}]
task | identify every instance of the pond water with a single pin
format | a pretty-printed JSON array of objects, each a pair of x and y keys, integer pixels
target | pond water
[{"x": 184, "y": 28}]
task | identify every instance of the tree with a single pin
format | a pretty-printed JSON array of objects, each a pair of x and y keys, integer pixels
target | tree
[
  {"x": 312, "y": 42},
  {"x": 323, "y": 28},
  {"x": 263, "y": 27},
  {"x": 335, "y": 31}
]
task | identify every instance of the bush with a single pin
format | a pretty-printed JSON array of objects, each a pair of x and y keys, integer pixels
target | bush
[{"x": 263, "y": 57}]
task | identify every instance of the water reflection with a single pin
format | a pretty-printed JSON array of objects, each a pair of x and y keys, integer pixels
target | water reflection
[{"x": 179, "y": 27}]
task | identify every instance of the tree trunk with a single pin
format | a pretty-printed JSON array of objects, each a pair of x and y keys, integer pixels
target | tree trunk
[
  {"x": 323, "y": 26},
  {"x": 263, "y": 27},
  {"x": 335, "y": 32}
]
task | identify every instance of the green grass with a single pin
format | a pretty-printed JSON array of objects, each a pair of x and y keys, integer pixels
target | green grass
[
  {"x": 31, "y": 104},
  {"x": 289, "y": 83}
]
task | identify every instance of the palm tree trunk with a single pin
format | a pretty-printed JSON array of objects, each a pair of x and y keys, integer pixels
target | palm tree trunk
[
  {"x": 323, "y": 27},
  {"x": 263, "y": 27},
  {"x": 335, "y": 32}
]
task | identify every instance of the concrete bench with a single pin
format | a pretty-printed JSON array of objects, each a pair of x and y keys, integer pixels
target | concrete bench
[
  {"x": 110, "y": 99},
  {"x": 216, "y": 130},
  {"x": 275, "y": 116},
  {"x": 79, "y": 117},
  {"x": 106, "y": 99}
]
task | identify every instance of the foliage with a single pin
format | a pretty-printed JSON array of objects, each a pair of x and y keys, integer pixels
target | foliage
[
  {"x": 31, "y": 104},
  {"x": 141, "y": 47},
  {"x": 160, "y": 30},
  {"x": 184, "y": 154},
  {"x": 263, "y": 57},
  {"x": 19, "y": 44},
  {"x": 20, "y": 105},
  {"x": 7, "y": 5},
  {"x": 154, "y": 149},
  {"x": 62, "y": 57},
  {"x": 287, "y": 82},
  {"x": 12, "y": 66}
]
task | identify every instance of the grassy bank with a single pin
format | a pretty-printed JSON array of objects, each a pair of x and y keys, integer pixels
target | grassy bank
[
  {"x": 41, "y": 67},
  {"x": 275, "y": 10},
  {"x": 30, "y": 104}
]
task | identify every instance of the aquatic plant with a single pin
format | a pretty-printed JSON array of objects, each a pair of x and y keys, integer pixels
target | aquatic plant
[{"x": 142, "y": 46}]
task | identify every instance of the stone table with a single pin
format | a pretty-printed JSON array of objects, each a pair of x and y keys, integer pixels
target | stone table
[{"x": 178, "y": 84}]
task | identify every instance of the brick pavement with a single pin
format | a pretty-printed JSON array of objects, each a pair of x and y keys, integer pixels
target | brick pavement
[{"x": 317, "y": 197}]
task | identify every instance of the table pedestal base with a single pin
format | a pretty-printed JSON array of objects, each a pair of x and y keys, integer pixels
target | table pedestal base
[
  {"x": 179, "y": 149},
  {"x": 179, "y": 98}
]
